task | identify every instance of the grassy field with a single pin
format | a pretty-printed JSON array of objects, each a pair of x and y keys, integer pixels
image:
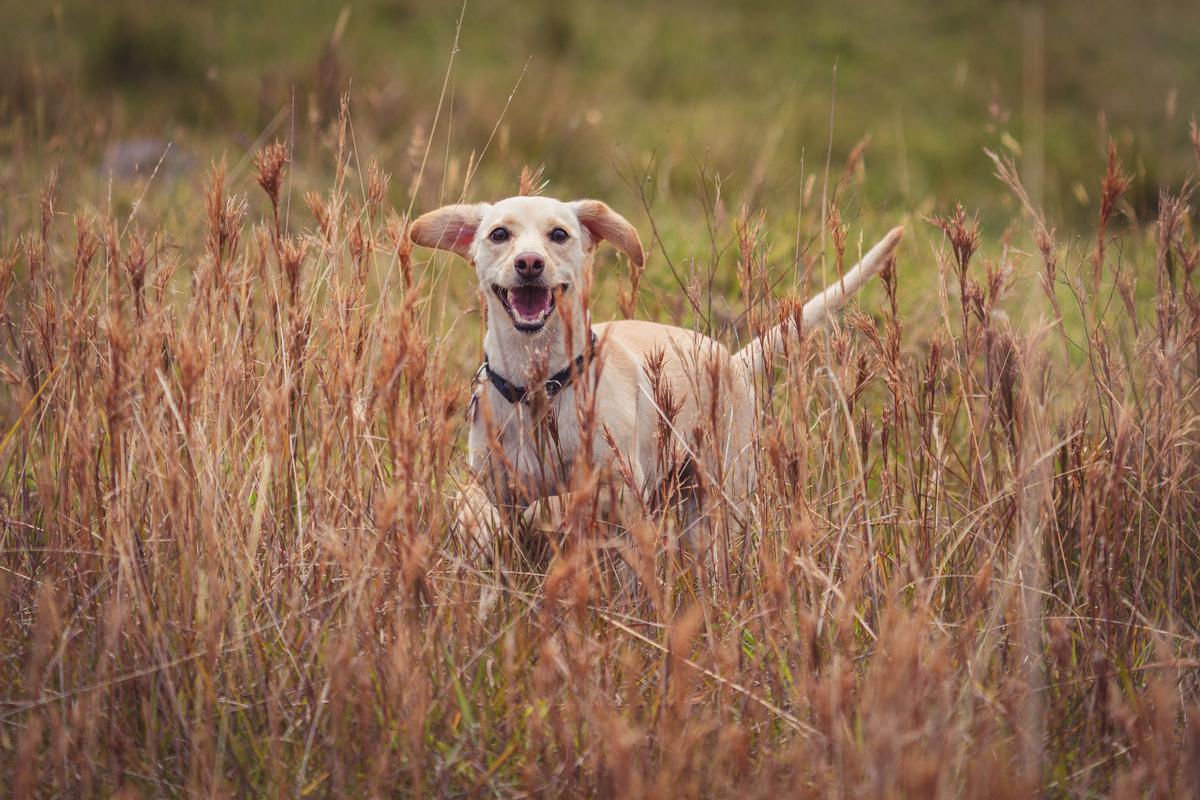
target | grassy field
[{"x": 232, "y": 402}]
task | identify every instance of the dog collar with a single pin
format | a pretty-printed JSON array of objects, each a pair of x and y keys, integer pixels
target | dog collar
[{"x": 556, "y": 383}]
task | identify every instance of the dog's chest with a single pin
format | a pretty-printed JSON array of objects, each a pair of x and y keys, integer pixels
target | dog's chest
[{"x": 539, "y": 446}]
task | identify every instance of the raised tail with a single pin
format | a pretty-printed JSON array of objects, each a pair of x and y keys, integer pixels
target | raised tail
[{"x": 754, "y": 357}]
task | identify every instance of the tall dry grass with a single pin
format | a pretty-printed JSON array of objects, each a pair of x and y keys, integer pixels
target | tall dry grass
[{"x": 227, "y": 564}]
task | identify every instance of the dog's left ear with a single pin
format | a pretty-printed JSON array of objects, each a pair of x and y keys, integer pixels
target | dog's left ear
[{"x": 601, "y": 222}]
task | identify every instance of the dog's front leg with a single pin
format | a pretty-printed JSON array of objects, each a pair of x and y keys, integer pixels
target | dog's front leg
[
  {"x": 553, "y": 514},
  {"x": 478, "y": 521},
  {"x": 486, "y": 506}
]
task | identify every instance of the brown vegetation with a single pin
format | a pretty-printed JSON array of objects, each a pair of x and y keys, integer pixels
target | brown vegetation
[{"x": 227, "y": 564}]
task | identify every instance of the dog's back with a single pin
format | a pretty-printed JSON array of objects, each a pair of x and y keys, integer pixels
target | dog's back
[{"x": 698, "y": 406}]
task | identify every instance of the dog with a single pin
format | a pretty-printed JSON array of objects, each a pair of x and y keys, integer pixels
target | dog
[{"x": 545, "y": 364}]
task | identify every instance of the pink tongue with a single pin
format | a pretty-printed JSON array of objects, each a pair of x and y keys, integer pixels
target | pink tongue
[{"x": 529, "y": 301}]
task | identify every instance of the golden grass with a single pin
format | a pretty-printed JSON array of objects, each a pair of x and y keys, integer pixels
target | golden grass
[{"x": 227, "y": 564}]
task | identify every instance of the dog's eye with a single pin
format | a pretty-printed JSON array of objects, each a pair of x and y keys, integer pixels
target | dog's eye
[
  {"x": 499, "y": 235},
  {"x": 559, "y": 235}
]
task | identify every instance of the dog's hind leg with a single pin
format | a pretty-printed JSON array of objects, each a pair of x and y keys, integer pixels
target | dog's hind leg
[{"x": 700, "y": 535}]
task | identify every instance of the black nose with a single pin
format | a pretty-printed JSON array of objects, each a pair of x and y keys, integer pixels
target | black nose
[{"x": 530, "y": 265}]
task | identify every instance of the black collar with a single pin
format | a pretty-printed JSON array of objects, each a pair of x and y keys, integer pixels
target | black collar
[{"x": 557, "y": 382}]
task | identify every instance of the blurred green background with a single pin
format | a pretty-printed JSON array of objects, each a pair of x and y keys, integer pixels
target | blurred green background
[{"x": 606, "y": 93}]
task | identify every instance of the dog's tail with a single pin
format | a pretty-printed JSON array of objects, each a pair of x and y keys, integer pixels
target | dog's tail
[{"x": 754, "y": 357}]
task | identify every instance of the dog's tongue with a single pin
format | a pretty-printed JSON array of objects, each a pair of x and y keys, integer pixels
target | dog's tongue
[{"x": 529, "y": 301}]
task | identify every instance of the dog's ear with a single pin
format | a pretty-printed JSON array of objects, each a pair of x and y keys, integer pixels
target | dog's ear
[
  {"x": 601, "y": 222},
  {"x": 450, "y": 228}
]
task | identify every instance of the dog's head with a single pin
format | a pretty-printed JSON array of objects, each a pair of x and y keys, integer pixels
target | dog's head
[{"x": 531, "y": 253}]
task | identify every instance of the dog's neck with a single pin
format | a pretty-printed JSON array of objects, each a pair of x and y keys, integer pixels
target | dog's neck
[{"x": 519, "y": 356}]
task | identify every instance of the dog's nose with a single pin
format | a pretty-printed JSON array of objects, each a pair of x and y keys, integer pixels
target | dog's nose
[{"x": 529, "y": 265}]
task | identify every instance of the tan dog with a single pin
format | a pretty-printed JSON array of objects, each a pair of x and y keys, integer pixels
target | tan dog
[{"x": 533, "y": 257}]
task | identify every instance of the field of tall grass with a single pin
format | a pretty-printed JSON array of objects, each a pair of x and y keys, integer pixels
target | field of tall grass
[{"x": 232, "y": 423}]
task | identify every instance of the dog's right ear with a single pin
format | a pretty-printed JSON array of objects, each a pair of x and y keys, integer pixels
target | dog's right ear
[{"x": 450, "y": 228}]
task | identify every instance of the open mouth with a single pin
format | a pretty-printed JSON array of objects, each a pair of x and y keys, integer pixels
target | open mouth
[{"x": 529, "y": 304}]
